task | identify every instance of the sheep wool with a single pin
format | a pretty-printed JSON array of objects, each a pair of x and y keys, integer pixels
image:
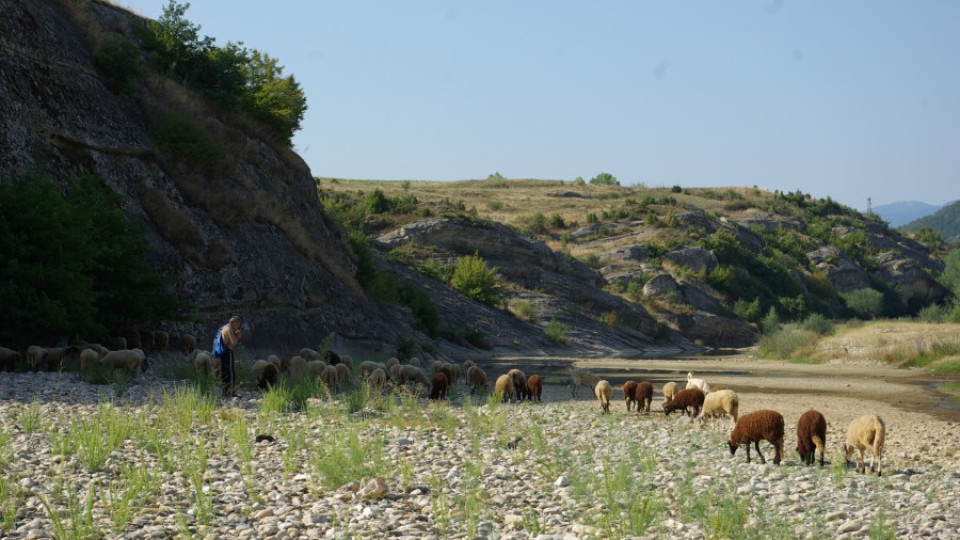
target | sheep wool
[
  {"x": 378, "y": 379},
  {"x": 189, "y": 342},
  {"x": 266, "y": 374},
  {"x": 308, "y": 354},
  {"x": 688, "y": 401},
  {"x": 534, "y": 387},
  {"x": 298, "y": 370},
  {"x": 8, "y": 358},
  {"x": 866, "y": 433},
  {"x": 762, "y": 425},
  {"x": 503, "y": 388},
  {"x": 344, "y": 373},
  {"x": 643, "y": 396},
  {"x": 811, "y": 436},
  {"x": 329, "y": 378},
  {"x": 697, "y": 383},
  {"x": 476, "y": 379},
  {"x": 438, "y": 386},
  {"x": 604, "y": 392},
  {"x": 670, "y": 390},
  {"x": 315, "y": 368},
  {"x": 628, "y": 390},
  {"x": 519, "y": 383},
  {"x": 720, "y": 403},
  {"x": 580, "y": 378}
]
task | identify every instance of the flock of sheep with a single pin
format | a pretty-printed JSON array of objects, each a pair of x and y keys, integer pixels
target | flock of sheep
[
  {"x": 866, "y": 433},
  {"x": 334, "y": 371}
]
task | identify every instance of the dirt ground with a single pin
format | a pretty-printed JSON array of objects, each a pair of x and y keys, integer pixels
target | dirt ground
[{"x": 920, "y": 431}]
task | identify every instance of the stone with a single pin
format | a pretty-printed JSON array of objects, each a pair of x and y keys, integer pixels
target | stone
[
  {"x": 374, "y": 489},
  {"x": 562, "y": 481},
  {"x": 695, "y": 259}
]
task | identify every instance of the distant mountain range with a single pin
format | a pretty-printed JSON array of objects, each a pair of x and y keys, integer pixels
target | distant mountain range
[
  {"x": 946, "y": 220},
  {"x": 901, "y": 213}
]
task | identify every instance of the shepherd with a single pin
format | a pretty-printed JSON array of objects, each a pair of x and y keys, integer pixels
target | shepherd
[{"x": 224, "y": 344}]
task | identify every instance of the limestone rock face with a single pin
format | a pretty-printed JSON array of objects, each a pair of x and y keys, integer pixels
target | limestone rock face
[
  {"x": 908, "y": 277},
  {"x": 843, "y": 273},
  {"x": 250, "y": 238},
  {"x": 695, "y": 259}
]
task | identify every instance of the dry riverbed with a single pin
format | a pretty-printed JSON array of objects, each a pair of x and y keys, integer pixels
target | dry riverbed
[{"x": 160, "y": 462}]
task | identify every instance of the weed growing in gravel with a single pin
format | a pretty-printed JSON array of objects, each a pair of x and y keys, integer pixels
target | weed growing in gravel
[
  {"x": 726, "y": 517},
  {"x": 194, "y": 462},
  {"x": 880, "y": 527},
  {"x": 440, "y": 505},
  {"x": 239, "y": 435},
  {"x": 6, "y": 449},
  {"x": 97, "y": 437},
  {"x": 78, "y": 522},
  {"x": 342, "y": 456},
  {"x": 125, "y": 496},
  {"x": 531, "y": 523},
  {"x": 628, "y": 511},
  {"x": 11, "y": 500},
  {"x": 185, "y": 406},
  {"x": 28, "y": 418},
  {"x": 838, "y": 469}
]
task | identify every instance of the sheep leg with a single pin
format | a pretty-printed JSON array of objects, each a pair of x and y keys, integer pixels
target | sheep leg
[
  {"x": 756, "y": 444},
  {"x": 748, "y": 453},
  {"x": 778, "y": 448}
]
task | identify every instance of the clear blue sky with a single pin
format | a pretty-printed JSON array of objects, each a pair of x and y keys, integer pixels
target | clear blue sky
[{"x": 843, "y": 98}]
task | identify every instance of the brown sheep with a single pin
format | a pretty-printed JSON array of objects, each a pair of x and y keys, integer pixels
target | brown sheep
[
  {"x": 161, "y": 340},
  {"x": 643, "y": 396},
  {"x": 534, "y": 387},
  {"x": 467, "y": 365},
  {"x": 866, "y": 432},
  {"x": 56, "y": 356},
  {"x": 604, "y": 392},
  {"x": 519, "y": 383},
  {"x": 329, "y": 378},
  {"x": 811, "y": 436},
  {"x": 476, "y": 379},
  {"x": 670, "y": 390},
  {"x": 188, "y": 342},
  {"x": 438, "y": 387},
  {"x": 763, "y": 425},
  {"x": 628, "y": 389},
  {"x": 118, "y": 343},
  {"x": 146, "y": 340},
  {"x": 266, "y": 374},
  {"x": 684, "y": 401},
  {"x": 503, "y": 388},
  {"x": 446, "y": 369},
  {"x": 133, "y": 339},
  {"x": 344, "y": 373}
]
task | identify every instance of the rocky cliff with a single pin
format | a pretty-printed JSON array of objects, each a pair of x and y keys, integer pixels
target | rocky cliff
[{"x": 250, "y": 237}]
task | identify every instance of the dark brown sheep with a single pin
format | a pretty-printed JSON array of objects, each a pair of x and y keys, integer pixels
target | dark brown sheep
[
  {"x": 684, "y": 400},
  {"x": 534, "y": 387},
  {"x": 438, "y": 386},
  {"x": 628, "y": 389},
  {"x": 763, "y": 425},
  {"x": 643, "y": 395},
  {"x": 146, "y": 339},
  {"x": 811, "y": 436},
  {"x": 519, "y": 383},
  {"x": 133, "y": 340}
]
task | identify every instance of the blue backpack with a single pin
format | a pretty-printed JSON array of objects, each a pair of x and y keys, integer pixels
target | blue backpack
[{"x": 218, "y": 346}]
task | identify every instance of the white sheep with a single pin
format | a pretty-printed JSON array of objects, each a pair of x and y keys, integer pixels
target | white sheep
[
  {"x": 367, "y": 367},
  {"x": 670, "y": 390},
  {"x": 298, "y": 370},
  {"x": 36, "y": 357},
  {"x": 347, "y": 360},
  {"x": 415, "y": 375},
  {"x": 697, "y": 383},
  {"x": 129, "y": 359},
  {"x": 378, "y": 379},
  {"x": 203, "y": 362},
  {"x": 309, "y": 354},
  {"x": 329, "y": 379},
  {"x": 723, "y": 402},
  {"x": 392, "y": 361},
  {"x": 344, "y": 373},
  {"x": 88, "y": 359},
  {"x": 315, "y": 368},
  {"x": 866, "y": 433},
  {"x": 9, "y": 358},
  {"x": 604, "y": 392},
  {"x": 189, "y": 342}
]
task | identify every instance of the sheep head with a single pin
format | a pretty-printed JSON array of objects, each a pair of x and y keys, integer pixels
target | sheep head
[{"x": 733, "y": 448}]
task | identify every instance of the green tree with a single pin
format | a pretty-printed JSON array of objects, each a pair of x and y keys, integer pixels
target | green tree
[
  {"x": 605, "y": 179},
  {"x": 474, "y": 278},
  {"x": 119, "y": 62},
  {"x": 866, "y": 302},
  {"x": 71, "y": 263},
  {"x": 274, "y": 99},
  {"x": 950, "y": 278}
]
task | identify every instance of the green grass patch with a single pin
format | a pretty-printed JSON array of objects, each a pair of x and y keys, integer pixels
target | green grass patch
[{"x": 791, "y": 342}]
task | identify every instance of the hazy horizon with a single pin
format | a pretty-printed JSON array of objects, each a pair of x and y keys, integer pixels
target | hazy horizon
[{"x": 852, "y": 100}]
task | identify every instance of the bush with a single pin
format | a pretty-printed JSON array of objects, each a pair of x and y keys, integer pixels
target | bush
[
  {"x": 676, "y": 189},
  {"x": 525, "y": 310},
  {"x": 789, "y": 343},
  {"x": 748, "y": 310},
  {"x": 592, "y": 218},
  {"x": 556, "y": 221},
  {"x": 933, "y": 313},
  {"x": 605, "y": 179},
  {"x": 472, "y": 277},
  {"x": 950, "y": 278},
  {"x": 557, "y": 332},
  {"x": 119, "y": 62},
  {"x": 771, "y": 322},
  {"x": 71, "y": 263},
  {"x": 818, "y": 324},
  {"x": 578, "y": 181},
  {"x": 533, "y": 224},
  {"x": 184, "y": 139},
  {"x": 866, "y": 302},
  {"x": 610, "y": 319}
]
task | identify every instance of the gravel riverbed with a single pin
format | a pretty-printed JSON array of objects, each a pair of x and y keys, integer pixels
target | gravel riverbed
[{"x": 78, "y": 461}]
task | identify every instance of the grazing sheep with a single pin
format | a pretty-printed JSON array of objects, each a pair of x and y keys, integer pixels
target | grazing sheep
[
  {"x": 315, "y": 368},
  {"x": 670, "y": 390},
  {"x": 763, "y": 425},
  {"x": 378, "y": 379},
  {"x": 440, "y": 367},
  {"x": 9, "y": 358},
  {"x": 628, "y": 389},
  {"x": 719, "y": 403},
  {"x": 415, "y": 362},
  {"x": 534, "y": 387},
  {"x": 189, "y": 342},
  {"x": 643, "y": 396},
  {"x": 146, "y": 340},
  {"x": 161, "y": 340},
  {"x": 811, "y": 436},
  {"x": 266, "y": 374},
  {"x": 203, "y": 362},
  {"x": 604, "y": 392},
  {"x": 57, "y": 355},
  {"x": 476, "y": 379},
  {"x": 88, "y": 359},
  {"x": 331, "y": 357},
  {"x": 457, "y": 371},
  {"x": 394, "y": 373},
  {"x": 684, "y": 401},
  {"x": 412, "y": 374},
  {"x": 866, "y": 432},
  {"x": 329, "y": 379},
  {"x": 36, "y": 358},
  {"x": 467, "y": 365},
  {"x": 519, "y": 383},
  {"x": 133, "y": 339},
  {"x": 298, "y": 370},
  {"x": 580, "y": 378},
  {"x": 101, "y": 350},
  {"x": 117, "y": 343},
  {"x": 697, "y": 383},
  {"x": 392, "y": 361},
  {"x": 503, "y": 388},
  {"x": 344, "y": 373},
  {"x": 717, "y": 388},
  {"x": 367, "y": 367},
  {"x": 130, "y": 359},
  {"x": 347, "y": 360},
  {"x": 308, "y": 354},
  {"x": 438, "y": 387}
]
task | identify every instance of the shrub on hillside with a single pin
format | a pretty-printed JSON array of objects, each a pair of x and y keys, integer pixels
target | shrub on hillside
[
  {"x": 605, "y": 179},
  {"x": 866, "y": 302},
  {"x": 186, "y": 140},
  {"x": 791, "y": 342},
  {"x": 818, "y": 324},
  {"x": 71, "y": 263},
  {"x": 557, "y": 332},
  {"x": 120, "y": 63},
  {"x": 474, "y": 278}
]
